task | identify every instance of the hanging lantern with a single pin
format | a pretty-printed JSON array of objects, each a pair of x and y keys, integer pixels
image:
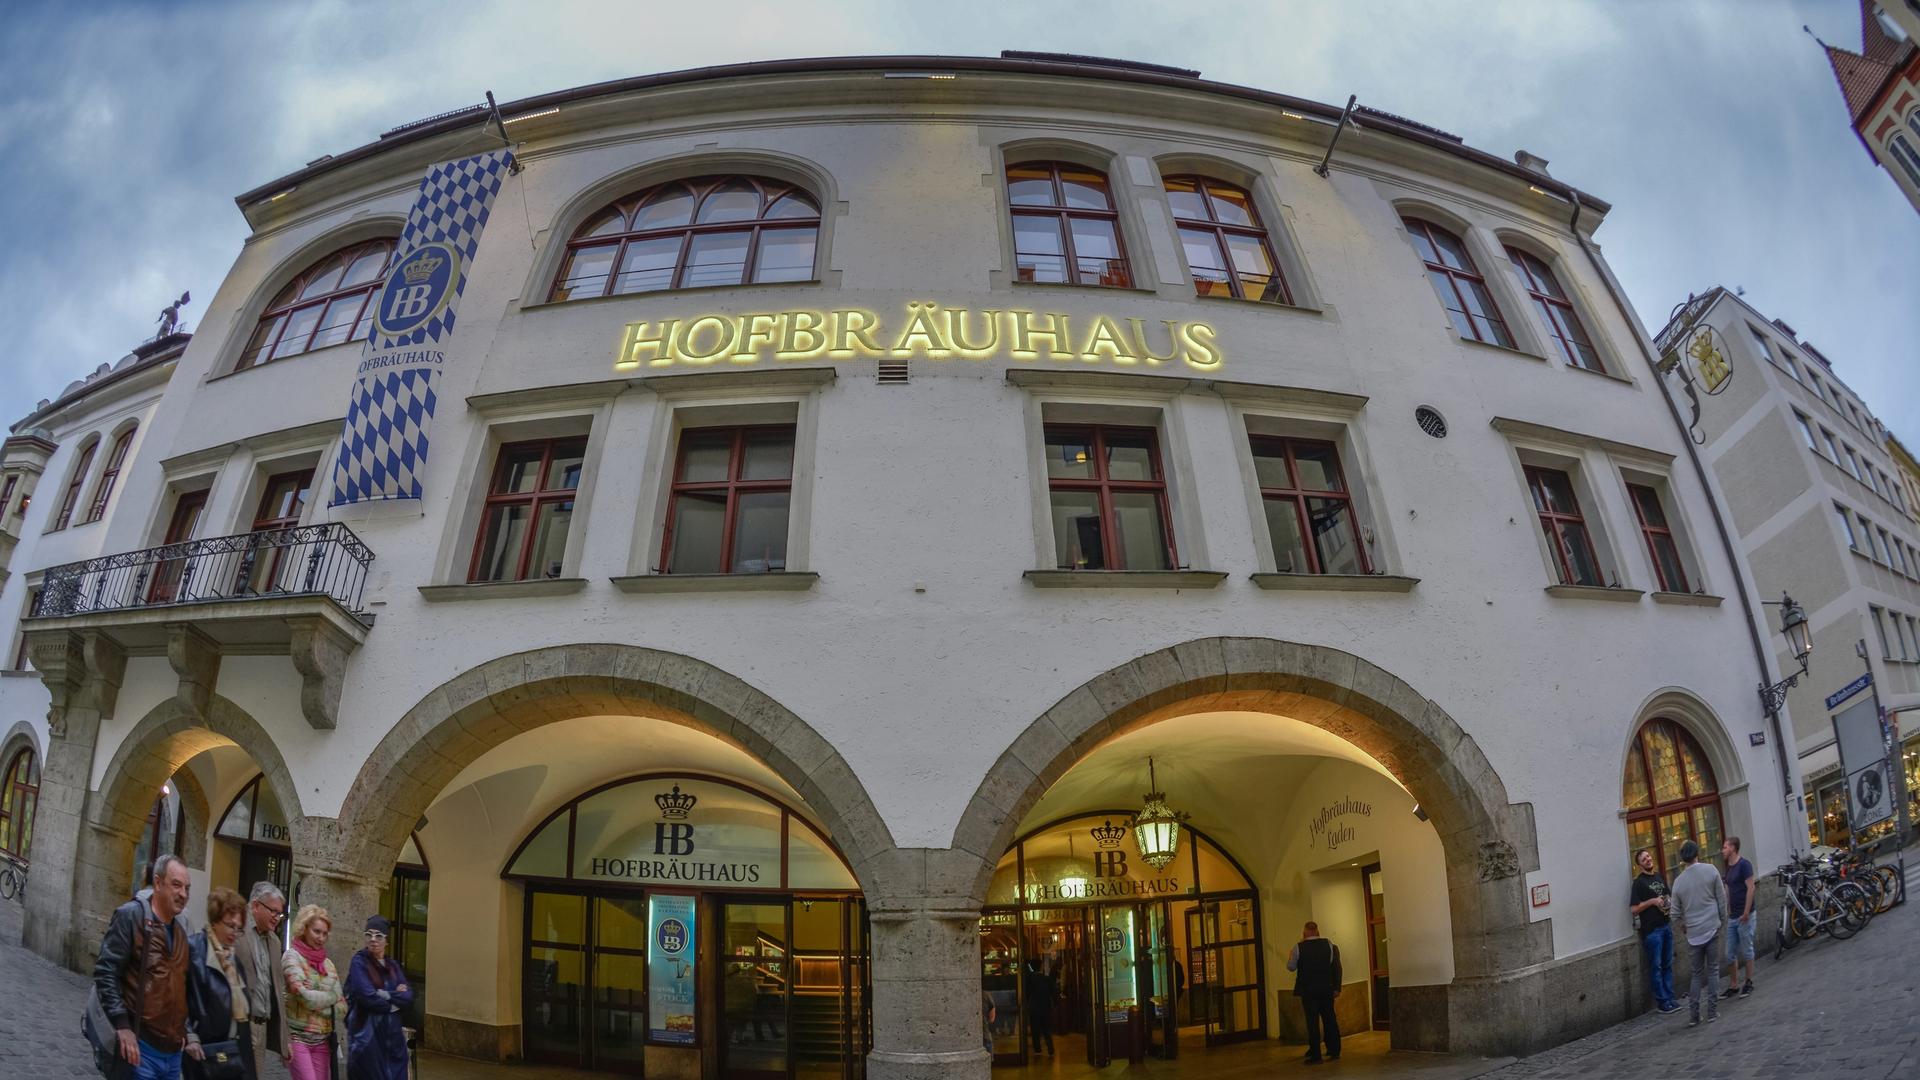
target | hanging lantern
[
  {"x": 1156, "y": 828},
  {"x": 1072, "y": 886}
]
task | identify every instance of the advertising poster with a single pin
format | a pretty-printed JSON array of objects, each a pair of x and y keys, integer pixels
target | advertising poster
[{"x": 670, "y": 969}]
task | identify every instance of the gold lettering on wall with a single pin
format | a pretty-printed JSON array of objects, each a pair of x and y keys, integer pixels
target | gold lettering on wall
[{"x": 927, "y": 331}]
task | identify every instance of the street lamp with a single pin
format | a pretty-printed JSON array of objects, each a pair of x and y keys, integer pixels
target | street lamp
[
  {"x": 1156, "y": 828},
  {"x": 1799, "y": 635}
]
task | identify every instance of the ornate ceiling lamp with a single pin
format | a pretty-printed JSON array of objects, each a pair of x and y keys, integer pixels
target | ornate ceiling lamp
[{"x": 1156, "y": 828}]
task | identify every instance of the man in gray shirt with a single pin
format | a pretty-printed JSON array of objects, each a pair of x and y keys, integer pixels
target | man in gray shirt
[{"x": 1699, "y": 909}]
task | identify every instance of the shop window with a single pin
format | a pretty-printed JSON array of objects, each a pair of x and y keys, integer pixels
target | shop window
[
  {"x": 65, "y": 517},
  {"x": 1667, "y": 567},
  {"x": 1309, "y": 507},
  {"x": 687, "y": 234},
  {"x": 403, "y": 901},
  {"x": 19, "y": 795},
  {"x": 529, "y": 510},
  {"x": 1556, "y": 310},
  {"x": 731, "y": 498},
  {"x": 1459, "y": 284},
  {"x": 116, "y": 460},
  {"x": 1226, "y": 246},
  {"x": 1566, "y": 529},
  {"x": 329, "y": 303},
  {"x": 1066, "y": 230},
  {"x": 1670, "y": 795},
  {"x": 1109, "y": 498}
]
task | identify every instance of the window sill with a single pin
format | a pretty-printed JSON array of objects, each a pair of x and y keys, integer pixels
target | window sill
[
  {"x": 1019, "y": 284},
  {"x": 1336, "y": 582},
  {"x": 502, "y": 590},
  {"x": 1599, "y": 374},
  {"x": 541, "y": 305},
  {"x": 1489, "y": 346},
  {"x": 1258, "y": 305},
  {"x": 1595, "y": 592},
  {"x": 1124, "y": 579},
  {"x": 1687, "y": 599},
  {"x": 776, "y": 581},
  {"x": 20, "y": 673}
]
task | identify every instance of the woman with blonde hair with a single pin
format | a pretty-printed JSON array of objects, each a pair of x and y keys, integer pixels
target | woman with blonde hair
[{"x": 313, "y": 995}]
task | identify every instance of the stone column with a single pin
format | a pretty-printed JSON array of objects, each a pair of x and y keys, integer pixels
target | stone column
[
  {"x": 325, "y": 874},
  {"x": 82, "y": 672},
  {"x": 926, "y": 989}
]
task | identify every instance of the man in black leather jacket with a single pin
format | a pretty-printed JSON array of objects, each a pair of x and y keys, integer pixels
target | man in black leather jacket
[{"x": 141, "y": 975}]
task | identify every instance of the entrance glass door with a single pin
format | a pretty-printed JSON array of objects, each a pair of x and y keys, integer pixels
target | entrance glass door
[
  {"x": 1376, "y": 895},
  {"x": 1119, "y": 1027},
  {"x": 553, "y": 1006},
  {"x": 619, "y": 979},
  {"x": 1225, "y": 972},
  {"x": 1158, "y": 990},
  {"x": 754, "y": 982}
]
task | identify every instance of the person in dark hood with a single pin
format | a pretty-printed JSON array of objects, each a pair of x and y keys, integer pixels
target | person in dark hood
[{"x": 377, "y": 994}]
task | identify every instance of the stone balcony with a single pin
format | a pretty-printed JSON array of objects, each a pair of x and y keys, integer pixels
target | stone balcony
[{"x": 281, "y": 592}]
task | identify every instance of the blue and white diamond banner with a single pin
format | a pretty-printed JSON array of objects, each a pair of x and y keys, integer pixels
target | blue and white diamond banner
[{"x": 383, "y": 449}]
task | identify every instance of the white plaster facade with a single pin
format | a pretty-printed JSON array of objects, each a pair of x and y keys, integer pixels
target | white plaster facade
[{"x": 926, "y": 648}]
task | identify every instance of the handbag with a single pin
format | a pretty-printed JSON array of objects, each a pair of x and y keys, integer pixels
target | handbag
[
  {"x": 101, "y": 1035},
  {"x": 222, "y": 1060}
]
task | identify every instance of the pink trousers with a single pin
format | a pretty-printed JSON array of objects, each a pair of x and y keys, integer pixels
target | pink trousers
[{"x": 310, "y": 1062}]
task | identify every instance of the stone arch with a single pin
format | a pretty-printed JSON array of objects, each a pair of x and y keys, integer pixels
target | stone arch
[
  {"x": 473, "y": 712},
  {"x": 577, "y": 206},
  {"x": 1489, "y": 842}
]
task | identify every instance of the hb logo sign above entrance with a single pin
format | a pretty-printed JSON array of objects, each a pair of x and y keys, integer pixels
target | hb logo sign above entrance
[
  {"x": 674, "y": 837},
  {"x": 1109, "y": 860}
]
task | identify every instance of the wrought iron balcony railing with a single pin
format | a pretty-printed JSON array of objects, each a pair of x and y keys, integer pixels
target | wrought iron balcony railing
[{"x": 308, "y": 560}]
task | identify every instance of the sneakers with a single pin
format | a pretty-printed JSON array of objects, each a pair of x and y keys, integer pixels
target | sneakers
[
  {"x": 1713, "y": 1015},
  {"x": 1747, "y": 990},
  {"x": 1693, "y": 1021},
  {"x": 1732, "y": 991},
  {"x": 1670, "y": 1007}
]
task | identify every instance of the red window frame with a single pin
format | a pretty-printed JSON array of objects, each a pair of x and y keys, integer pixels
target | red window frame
[
  {"x": 272, "y": 325},
  {"x": 733, "y": 486},
  {"x": 72, "y": 497},
  {"x": 1065, "y": 215},
  {"x": 534, "y": 500},
  {"x": 1551, "y": 522},
  {"x": 18, "y": 803},
  {"x": 1454, "y": 275},
  {"x": 1563, "y": 323},
  {"x": 701, "y": 188},
  {"x": 1658, "y": 536},
  {"x": 1204, "y": 187},
  {"x": 1298, "y": 496},
  {"x": 1690, "y": 800},
  {"x": 103, "y": 491},
  {"x": 1112, "y": 548}
]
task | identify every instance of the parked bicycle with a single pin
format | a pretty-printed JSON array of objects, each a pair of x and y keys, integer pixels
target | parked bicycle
[
  {"x": 1814, "y": 897},
  {"x": 13, "y": 878}
]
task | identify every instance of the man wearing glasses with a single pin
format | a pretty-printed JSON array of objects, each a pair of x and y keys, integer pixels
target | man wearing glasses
[{"x": 261, "y": 951}]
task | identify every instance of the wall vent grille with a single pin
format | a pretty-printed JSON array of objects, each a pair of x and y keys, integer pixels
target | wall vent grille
[
  {"x": 1431, "y": 421},
  {"x": 890, "y": 373}
]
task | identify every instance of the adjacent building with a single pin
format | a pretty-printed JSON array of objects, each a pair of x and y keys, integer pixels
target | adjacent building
[
  {"x": 1825, "y": 513},
  {"x": 1880, "y": 85},
  {"x": 891, "y": 522}
]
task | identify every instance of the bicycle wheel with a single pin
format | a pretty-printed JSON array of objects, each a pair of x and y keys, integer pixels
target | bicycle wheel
[
  {"x": 1853, "y": 907},
  {"x": 1890, "y": 886},
  {"x": 1876, "y": 891},
  {"x": 8, "y": 887},
  {"x": 1794, "y": 927}
]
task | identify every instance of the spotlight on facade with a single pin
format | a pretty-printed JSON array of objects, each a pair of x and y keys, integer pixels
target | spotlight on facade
[
  {"x": 1418, "y": 813},
  {"x": 1156, "y": 828}
]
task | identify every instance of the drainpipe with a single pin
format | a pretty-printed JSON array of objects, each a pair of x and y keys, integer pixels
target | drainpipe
[{"x": 1719, "y": 520}]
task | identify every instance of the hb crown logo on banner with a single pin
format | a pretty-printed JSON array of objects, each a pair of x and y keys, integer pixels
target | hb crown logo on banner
[{"x": 383, "y": 449}]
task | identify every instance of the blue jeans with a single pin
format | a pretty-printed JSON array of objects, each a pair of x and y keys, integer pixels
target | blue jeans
[
  {"x": 1659, "y": 948},
  {"x": 155, "y": 1065},
  {"x": 1740, "y": 940}
]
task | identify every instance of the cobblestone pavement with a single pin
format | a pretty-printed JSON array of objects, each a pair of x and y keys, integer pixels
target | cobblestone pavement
[{"x": 1829, "y": 1009}]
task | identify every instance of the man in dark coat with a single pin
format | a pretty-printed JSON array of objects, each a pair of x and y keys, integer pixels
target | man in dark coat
[
  {"x": 141, "y": 976},
  {"x": 1315, "y": 962}
]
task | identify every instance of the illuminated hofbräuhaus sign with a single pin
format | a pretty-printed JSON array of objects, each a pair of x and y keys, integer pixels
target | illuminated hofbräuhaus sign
[{"x": 927, "y": 331}]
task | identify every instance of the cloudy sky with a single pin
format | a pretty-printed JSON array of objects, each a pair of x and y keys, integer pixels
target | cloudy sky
[{"x": 1713, "y": 126}]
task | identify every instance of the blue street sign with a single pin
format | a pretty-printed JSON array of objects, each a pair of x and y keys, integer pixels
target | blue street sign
[{"x": 1850, "y": 689}]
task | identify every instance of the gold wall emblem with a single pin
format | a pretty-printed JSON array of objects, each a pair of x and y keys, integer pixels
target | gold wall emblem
[{"x": 1710, "y": 364}]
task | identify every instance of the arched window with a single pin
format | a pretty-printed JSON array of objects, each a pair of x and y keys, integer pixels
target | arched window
[
  {"x": 1066, "y": 230},
  {"x": 330, "y": 302},
  {"x": 1670, "y": 795},
  {"x": 116, "y": 457},
  {"x": 711, "y": 230},
  {"x": 19, "y": 793},
  {"x": 1903, "y": 152},
  {"x": 1556, "y": 310},
  {"x": 161, "y": 836},
  {"x": 1463, "y": 292},
  {"x": 80, "y": 468},
  {"x": 1226, "y": 246}
]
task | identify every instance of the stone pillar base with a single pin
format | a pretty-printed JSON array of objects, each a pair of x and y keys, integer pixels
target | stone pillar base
[
  {"x": 950, "y": 1065},
  {"x": 1527, "y": 1011}
]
